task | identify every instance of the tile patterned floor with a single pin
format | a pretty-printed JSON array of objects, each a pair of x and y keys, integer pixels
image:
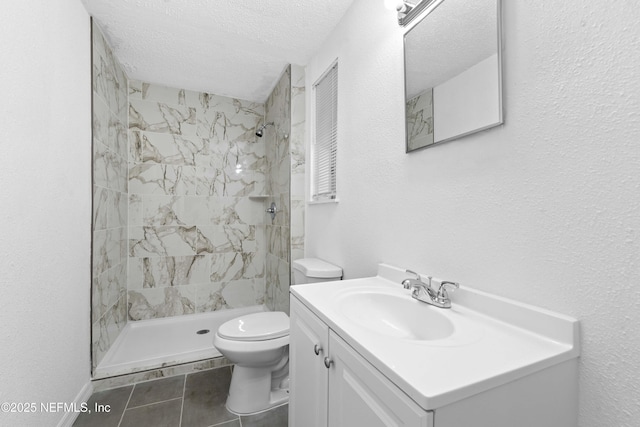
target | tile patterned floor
[{"x": 192, "y": 400}]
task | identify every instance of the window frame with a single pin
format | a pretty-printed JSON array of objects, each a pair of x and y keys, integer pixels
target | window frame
[{"x": 327, "y": 179}]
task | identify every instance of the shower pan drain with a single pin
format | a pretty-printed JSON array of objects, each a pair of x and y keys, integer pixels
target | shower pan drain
[{"x": 203, "y": 331}]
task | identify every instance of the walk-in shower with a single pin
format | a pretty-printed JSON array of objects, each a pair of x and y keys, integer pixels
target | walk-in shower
[{"x": 180, "y": 233}]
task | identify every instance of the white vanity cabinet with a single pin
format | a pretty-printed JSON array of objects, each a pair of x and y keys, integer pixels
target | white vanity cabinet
[
  {"x": 308, "y": 344},
  {"x": 333, "y": 385},
  {"x": 504, "y": 364}
]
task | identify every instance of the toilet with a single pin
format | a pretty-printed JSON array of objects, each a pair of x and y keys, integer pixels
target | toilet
[{"x": 258, "y": 346}]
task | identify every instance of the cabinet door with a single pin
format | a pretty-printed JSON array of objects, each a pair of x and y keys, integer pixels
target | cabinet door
[
  {"x": 359, "y": 395},
  {"x": 309, "y": 378}
]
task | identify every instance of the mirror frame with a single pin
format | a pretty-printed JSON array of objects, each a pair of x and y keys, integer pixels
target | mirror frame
[{"x": 417, "y": 11}]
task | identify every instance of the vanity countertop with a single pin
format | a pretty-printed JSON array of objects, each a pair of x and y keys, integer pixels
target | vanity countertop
[{"x": 496, "y": 340}]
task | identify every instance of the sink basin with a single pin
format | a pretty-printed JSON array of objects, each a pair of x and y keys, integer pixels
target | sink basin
[{"x": 396, "y": 315}]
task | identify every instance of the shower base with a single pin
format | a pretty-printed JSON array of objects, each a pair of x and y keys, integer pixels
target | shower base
[{"x": 157, "y": 343}]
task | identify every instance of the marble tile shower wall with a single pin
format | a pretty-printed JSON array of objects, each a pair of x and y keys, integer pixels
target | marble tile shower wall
[
  {"x": 196, "y": 237},
  {"x": 109, "y": 262},
  {"x": 278, "y": 110},
  {"x": 297, "y": 161}
]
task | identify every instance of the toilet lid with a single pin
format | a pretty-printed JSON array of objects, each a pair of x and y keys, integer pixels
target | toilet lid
[{"x": 256, "y": 327}]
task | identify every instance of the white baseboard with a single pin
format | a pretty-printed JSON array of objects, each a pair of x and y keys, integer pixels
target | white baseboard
[{"x": 69, "y": 417}]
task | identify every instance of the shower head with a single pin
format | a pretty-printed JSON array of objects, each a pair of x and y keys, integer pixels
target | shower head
[{"x": 260, "y": 130}]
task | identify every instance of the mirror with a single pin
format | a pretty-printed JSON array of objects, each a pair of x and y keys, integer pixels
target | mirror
[{"x": 453, "y": 79}]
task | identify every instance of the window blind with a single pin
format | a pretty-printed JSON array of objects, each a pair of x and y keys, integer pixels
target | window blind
[{"x": 325, "y": 136}]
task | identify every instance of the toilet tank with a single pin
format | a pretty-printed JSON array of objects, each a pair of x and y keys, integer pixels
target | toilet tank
[{"x": 313, "y": 270}]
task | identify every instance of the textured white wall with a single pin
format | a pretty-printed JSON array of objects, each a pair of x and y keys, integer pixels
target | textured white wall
[
  {"x": 545, "y": 209},
  {"x": 45, "y": 205}
]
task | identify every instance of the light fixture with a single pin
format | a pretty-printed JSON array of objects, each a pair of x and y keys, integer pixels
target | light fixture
[
  {"x": 408, "y": 10},
  {"x": 400, "y": 6}
]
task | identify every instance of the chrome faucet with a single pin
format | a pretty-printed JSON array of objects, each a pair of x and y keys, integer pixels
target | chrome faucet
[{"x": 424, "y": 292}]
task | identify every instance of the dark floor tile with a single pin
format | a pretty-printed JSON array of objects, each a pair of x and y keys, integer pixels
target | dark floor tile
[
  {"x": 157, "y": 391},
  {"x": 116, "y": 399},
  {"x": 164, "y": 414},
  {"x": 204, "y": 397},
  {"x": 234, "y": 423},
  {"x": 277, "y": 417}
]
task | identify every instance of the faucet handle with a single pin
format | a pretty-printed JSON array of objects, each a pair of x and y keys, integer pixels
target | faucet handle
[
  {"x": 413, "y": 272},
  {"x": 420, "y": 278},
  {"x": 407, "y": 283},
  {"x": 442, "y": 291}
]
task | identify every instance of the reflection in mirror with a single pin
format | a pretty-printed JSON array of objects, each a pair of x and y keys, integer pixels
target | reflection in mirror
[{"x": 453, "y": 72}]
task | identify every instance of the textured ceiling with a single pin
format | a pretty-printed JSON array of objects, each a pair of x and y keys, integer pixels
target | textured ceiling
[{"x": 236, "y": 48}]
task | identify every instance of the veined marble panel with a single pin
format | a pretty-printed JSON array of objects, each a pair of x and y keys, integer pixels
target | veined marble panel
[
  {"x": 109, "y": 209},
  {"x": 110, "y": 216},
  {"x": 297, "y": 150},
  {"x": 162, "y": 241},
  {"x": 162, "y": 148},
  {"x": 109, "y": 169},
  {"x": 298, "y": 186},
  {"x": 233, "y": 294},
  {"x": 298, "y": 129},
  {"x": 282, "y": 174},
  {"x": 135, "y": 214},
  {"x": 158, "y": 210},
  {"x": 261, "y": 241},
  {"x": 159, "y": 272},
  {"x": 213, "y": 210},
  {"x": 279, "y": 165},
  {"x": 107, "y": 328},
  {"x": 243, "y": 293},
  {"x": 108, "y": 128},
  {"x": 271, "y": 279},
  {"x": 164, "y": 118},
  {"x": 163, "y": 94},
  {"x": 226, "y": 238},
  {"x": 228, "y": 119},
  {"x": 107, "y": 249},
  {"x": 297, "y": 227},
  {"x": 278, "y": 103},
  {"x": 116, "y": 209},
  {"x": 135, "y": 274},
  {"x": 209, "y": 297},
  {"x": 420, "y": 120},
  {"x": 281, "y": 293},
  {"x": 162, "y": 179},
  {"x": 283, "y": 203},
  {"x": 108, "y": 83},
  {"x": 250, "y": 155},
  {"x": 278, "y": 284},
  {"x": 226, "y": 267},
  {"x": 190, "y": 178},
  {"x": 274, "y": 240},
  {"x": 100, "y": 204},
  {"x": 222, "y": 182},
  {"x": 232, "y": 156},
  {"x": 153, "y": 303},
  {"x": 285, "y": 235},
  {"x": 107, "y": 288}
]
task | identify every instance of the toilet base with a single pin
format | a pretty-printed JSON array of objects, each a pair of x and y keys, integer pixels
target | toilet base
[
  {"x": 251, "y": 391},
  {"x": 276, "y": 398}
]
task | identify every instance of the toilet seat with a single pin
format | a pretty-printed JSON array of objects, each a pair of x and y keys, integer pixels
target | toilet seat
[{"x": 256, "y": 327}]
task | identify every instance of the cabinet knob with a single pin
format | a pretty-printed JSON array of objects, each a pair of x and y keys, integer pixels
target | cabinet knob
[
  {"x": 328, "y": 362},
  {"x": 317, "y": 349}
]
